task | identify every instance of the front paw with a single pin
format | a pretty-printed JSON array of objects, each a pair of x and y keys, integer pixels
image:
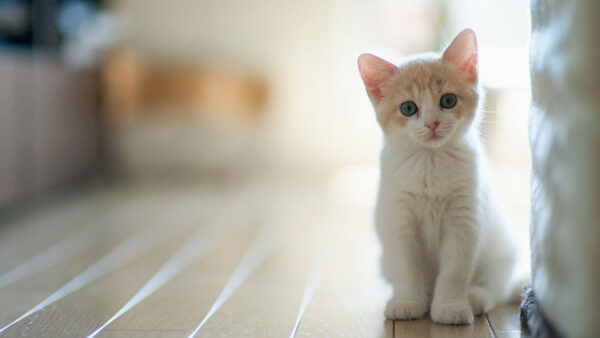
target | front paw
[
  {"x": 481, "y": 300},
  {"x": 405, "y": 309},
  {"x": 451, "y": 313}
]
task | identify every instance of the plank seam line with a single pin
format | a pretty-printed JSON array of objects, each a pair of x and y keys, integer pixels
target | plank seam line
[{"x": 489, "y": 325}]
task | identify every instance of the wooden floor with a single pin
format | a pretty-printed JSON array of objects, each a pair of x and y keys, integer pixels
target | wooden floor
[{"x": 261, "y": 259}]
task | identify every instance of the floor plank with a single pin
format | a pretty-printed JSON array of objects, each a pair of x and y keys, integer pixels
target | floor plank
[
  {"x": 182, "y": 302},
  {"x": 505, "y": 321},
  {"x": 82, "y": 311},
  {"x": 17, "y": 298},
  {"x": 351, "y": 286},
  {"x": 153, "y": 232},
  {"x": 43, "y": 227},
  {"x": 261, "y": 259},
  {"x": 144, "y": 334},
  {"x": 268, "y": 302},
  {"x": 194, "y": 249},
  {"x": 423, "y": 328},
  {"x": 117, "y": 220}
]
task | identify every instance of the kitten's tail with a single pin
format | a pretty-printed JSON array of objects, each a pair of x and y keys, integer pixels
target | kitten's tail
[{"x": 519, "y": 282}]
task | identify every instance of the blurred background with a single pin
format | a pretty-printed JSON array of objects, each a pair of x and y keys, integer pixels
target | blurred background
[
  {"x": 132, "y": 89},
  {"x": 119, "y": 92}
]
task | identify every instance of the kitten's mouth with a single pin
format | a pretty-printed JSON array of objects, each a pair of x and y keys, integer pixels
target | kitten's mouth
[
  {"x": 434, "y": 137},
  {"x": 435, "y": 140}
]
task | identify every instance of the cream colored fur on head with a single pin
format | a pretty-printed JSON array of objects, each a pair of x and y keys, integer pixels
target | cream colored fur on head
[{"x": 446, "y": 247}]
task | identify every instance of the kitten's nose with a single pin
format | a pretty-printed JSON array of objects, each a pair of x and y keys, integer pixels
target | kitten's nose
[{"x": 432, "y": 125}]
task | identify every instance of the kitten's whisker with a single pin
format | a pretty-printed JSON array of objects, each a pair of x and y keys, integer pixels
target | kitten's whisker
[
  {"x": 492, "y": 123},
  {"x": 487, "y": 140},
  {"x": 490, "y": 111}
]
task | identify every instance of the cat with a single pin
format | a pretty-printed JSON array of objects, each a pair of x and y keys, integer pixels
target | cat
[{"x": 446, "y": 249}]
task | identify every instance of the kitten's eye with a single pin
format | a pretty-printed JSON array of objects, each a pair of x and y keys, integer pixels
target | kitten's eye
[
  {"x": 408, "y": 108},
  {"x": 448, "y": 101}
]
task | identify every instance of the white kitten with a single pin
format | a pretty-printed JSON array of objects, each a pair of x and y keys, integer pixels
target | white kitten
[{"x": 446, "y": 247}]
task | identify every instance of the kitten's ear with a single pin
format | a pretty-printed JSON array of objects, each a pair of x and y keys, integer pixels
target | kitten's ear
[
  {"x": 462, "y": 52},
  {"x": 374, "y": 71}
]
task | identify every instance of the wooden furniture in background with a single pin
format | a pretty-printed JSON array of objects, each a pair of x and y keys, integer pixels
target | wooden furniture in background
[
  {"x": 49, "y": 133},
  {"x": 134, "y": 86}
]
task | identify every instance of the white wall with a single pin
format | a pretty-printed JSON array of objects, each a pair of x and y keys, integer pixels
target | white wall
[{"x": 289, "y": 40}]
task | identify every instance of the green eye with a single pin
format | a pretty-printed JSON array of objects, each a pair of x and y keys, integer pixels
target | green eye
[
  {"x": 448, "y": 101},
  {"x": 408, "y": 108}
]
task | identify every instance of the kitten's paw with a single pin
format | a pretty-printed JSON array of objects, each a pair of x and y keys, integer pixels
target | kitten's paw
[
  {"x": 405, "y": 309},
  {"x": 481, "y": 300},
  {"x": 451, "y": 313}
]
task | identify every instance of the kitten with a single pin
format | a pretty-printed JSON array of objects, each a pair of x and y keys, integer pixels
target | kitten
[{"x": 446, "y": 248}]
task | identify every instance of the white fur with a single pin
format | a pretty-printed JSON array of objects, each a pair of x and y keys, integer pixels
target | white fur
[{"x": 445, "y": 245}]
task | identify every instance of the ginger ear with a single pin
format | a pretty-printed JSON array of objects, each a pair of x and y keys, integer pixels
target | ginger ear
[
  {"x": 462, "y": 52},
  {"x": 374, "y": 71}
]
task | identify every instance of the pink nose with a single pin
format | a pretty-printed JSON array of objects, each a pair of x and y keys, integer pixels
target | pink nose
[{"x": 432, "y": 125}]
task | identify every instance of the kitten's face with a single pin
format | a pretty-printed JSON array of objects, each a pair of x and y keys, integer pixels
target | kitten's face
[
  {"x": 430, "y": 100},
  {"x": 424, "y": 102}
]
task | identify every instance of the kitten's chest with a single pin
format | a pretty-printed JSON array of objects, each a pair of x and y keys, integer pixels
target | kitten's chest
[{"x": 432, "y": 174}]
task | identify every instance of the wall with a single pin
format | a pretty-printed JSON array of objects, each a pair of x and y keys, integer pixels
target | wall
[{"x": 288, "y": 40}]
